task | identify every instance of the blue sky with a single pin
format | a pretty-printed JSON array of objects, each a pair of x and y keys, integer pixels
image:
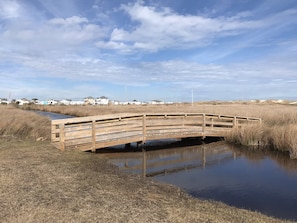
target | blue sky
[{"x": 146, "y": 50}]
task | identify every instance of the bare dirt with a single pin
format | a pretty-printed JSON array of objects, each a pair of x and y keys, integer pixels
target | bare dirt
[{"x": 39, "y": 183}]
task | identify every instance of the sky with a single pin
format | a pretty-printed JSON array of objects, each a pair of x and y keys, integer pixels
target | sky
[{"x": 169, "y": 50}]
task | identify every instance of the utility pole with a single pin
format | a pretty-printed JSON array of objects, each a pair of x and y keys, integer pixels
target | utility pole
[{"x": 192, "y": 97}]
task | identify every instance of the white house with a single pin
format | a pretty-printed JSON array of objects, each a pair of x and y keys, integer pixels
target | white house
[
  {"x": 52, "y": 102},
  {"x": 102, "y": 101},
  {"x": 89, "y": 100},
  {"x": 22, "y": 101},
  {"x": 77, "y": 103},
  {"x": 4, "y": 101},
  {"x": 156, "y": 102},
  {"x": 65, "y": 102}
]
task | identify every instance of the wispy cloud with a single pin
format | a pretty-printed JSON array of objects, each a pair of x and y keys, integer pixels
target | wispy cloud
[{"x": 162, "y": 28}]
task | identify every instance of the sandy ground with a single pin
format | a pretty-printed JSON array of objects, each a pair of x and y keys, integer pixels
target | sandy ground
[{"x": 39, "y": 183}]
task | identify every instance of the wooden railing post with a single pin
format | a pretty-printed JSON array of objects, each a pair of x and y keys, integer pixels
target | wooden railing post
[
  {"x": 234, "y": 122},
  {"x": 211, "y": 123},
  {"x": 62, "y": 136},
  {"x": 93, "y": 135},
  {"x": 144, "y": 128},
  {"x": 203, "y": 125}
]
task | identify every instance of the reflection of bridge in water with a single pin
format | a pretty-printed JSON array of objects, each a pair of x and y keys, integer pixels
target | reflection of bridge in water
[{"x": 159, "y": 162}]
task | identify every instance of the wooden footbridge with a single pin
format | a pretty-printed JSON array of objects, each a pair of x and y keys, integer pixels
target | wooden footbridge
[{"x": 95, "y": 132}]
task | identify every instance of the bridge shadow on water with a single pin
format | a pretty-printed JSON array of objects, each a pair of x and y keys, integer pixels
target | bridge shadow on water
[{"x": 158, "y": 145}]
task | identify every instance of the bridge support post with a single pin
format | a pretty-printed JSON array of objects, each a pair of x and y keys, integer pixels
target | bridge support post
[
  {"x": 144, "y": 163},
  {"x": 93, "y": 136},
  {"x": 62, "y": 136},
  {"x": 144, "y": 128},
  {"x": 203, "y": 126}
]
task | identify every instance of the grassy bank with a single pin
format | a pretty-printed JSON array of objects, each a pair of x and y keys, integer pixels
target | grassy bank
[
  {"x": 22, "y": 124},
  {"x": 278, "y": 131}
]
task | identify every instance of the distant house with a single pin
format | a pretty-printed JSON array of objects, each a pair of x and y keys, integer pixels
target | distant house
[
  {"x": 52, "y": 102},
  {"x": 135, "y": 102},
  {"x": 65, "y": 102},
  {"x": 76, "y": 102},
  {"x": 4, "y": 101},
  {"x": 102, "y": 101},
  {"x": 43, "y": 103},
  {"x": 22, "y": 101},
  {"x": 115, "y": 102},
  {"x": 156, "y": 102},
  {"x": 35, "y": 101},
  {"x": 89, "y": 101}
]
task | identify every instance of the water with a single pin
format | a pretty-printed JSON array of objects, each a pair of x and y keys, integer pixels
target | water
[
  {"x": 53, "y": 116},
  {"x": 263, "y": 181}
]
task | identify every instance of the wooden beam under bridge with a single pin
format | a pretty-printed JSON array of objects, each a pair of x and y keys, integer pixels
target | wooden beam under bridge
[{"x": 95, "y": 132}]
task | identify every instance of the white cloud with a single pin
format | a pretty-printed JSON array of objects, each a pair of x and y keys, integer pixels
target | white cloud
[
  {"x": 68, "y": 21},
  {"x": 9, "y": 9},
  {"x": 56, "y": 35},
  {"x": 163, "y": 28}
]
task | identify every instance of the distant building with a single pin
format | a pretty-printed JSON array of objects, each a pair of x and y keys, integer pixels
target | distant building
[
  {"x": 52, "y": 102},
  {"x": 76, "y": 102},
  {"x": 156, "y": 102},
  {"x": 22, "y": 101},
  {"x": 89, "y": 101},
  {"x": 4, "y": 101},
  {"x": 102, "y": 101},
  {"x": 65, "y": 102}
]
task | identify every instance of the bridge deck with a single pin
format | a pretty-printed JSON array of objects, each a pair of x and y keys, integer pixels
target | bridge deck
[{"x": 95, "y": 132}]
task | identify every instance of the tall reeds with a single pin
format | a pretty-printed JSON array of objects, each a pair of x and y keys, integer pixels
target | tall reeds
[
  {"x": 22, "y": 124},
  {"x": 278, "y": 130}
]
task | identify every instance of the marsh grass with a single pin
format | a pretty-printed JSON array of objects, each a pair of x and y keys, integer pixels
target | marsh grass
[
  {"x": 23, "y": 124},
  {"x": 278, "y": 130}
]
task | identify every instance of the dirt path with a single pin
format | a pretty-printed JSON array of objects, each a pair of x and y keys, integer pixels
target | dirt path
[{"x": 41, "y": 184}]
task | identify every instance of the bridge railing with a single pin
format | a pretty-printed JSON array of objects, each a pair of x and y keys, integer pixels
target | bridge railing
[{"x": 94, "y": 132}]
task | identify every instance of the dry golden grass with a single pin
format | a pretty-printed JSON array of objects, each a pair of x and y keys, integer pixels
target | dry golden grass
[{"x": 23, "y": 124}]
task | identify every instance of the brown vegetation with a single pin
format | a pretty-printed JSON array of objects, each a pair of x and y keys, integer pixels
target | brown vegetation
[{"x": 23, "y": 124}]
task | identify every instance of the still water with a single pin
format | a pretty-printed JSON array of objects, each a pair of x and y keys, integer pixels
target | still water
[
  {"x": 256, "y": 180},
  {"x": 53, "y": 116}
]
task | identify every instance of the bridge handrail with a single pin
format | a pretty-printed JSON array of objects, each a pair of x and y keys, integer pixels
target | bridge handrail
[{"x": 139, "y": 127}]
